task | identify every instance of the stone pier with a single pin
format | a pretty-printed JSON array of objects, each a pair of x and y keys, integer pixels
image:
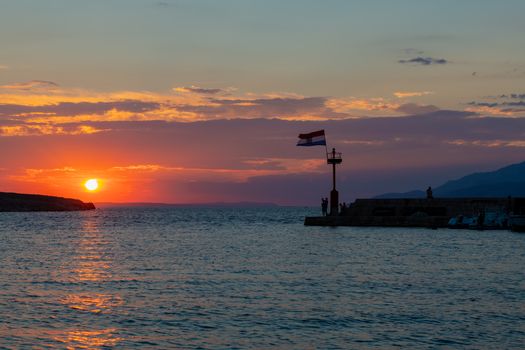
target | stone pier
[{"x": 424, "y": 212}]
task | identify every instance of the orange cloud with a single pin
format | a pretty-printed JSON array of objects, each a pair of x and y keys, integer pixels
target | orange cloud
[
  {"x": 494, "y": 111},
  {"x": 488, "y": 143},
  {"x": 46, "y": 103},
  {"x": 36, "y": 175},
  {"x": 31, "y": 85},
  {"x": 47, "y": 129},
  {"x": 405, "y": 94},
  {"x": 352, "y": 104}
]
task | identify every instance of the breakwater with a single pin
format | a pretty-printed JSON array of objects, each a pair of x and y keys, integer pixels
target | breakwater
[{"x": 408, "y": 212}]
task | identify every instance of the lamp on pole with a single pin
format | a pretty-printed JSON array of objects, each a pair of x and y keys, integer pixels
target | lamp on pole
[{"x": 334, "y": 158}]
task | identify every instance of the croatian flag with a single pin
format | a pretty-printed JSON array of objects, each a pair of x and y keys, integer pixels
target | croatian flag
[{"x": 315, "y": 138}]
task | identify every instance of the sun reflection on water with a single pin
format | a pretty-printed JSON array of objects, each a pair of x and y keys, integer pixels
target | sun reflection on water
[
  {"x": 92, "y": 264},
  {"x": 96, "y": 303},
  {"x": 81, "y": 339}
]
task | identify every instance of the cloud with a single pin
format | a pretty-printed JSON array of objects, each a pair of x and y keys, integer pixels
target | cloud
[
  {"x": 256, "y": 159},
  {"x": 31, "y": 85},
  {"x": 415, "y": 109},
  {"x": 405, "y": 94},
  {"x": 424, "y": 61},
  {"x": 77, "y": 108},
  {"x": 45, "y": 112},
  {"x": 364, "y": 142},
  {"x": 483, "y": 104},
  {"x": 33, "y": 103},
  {"x": 199, "y": 90},
  {"x": 349, "y": 105},
  {"x": 3, "y": 66},
  {"x": 488, "y": 143},
  {"x": 514, "y": 104},
  {"x": 514, "y": 96},
  {"x": 483, "y": 111},
  {"x": 62, "y": 106},
  {"x": 73, "y": 106},
  {"x": 279, "y": 107},
  {"x": 505, "y": 105},
  {"x": 139, "y": 167},
  {"x": 47, "y": 129}
]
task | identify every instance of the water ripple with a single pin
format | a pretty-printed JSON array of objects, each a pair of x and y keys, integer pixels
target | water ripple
[{"x": 208, "y": 278}]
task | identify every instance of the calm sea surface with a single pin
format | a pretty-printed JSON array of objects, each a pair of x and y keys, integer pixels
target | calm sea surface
[{"x": 209, "y": 278}]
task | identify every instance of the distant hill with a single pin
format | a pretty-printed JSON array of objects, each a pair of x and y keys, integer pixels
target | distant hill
[
  {"x": 507, "y": 181},
  {"x": 411, "y": 194},
  {"x": 34, "y": 202}
]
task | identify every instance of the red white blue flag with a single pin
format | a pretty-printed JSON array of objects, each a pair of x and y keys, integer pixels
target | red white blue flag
[{"x": 315, "y": 138}]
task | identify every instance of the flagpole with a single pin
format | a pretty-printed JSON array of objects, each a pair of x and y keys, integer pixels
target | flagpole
[{"x": 325, "y": 147}]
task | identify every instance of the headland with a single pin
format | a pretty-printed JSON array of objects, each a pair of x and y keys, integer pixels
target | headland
[{"x": 13, "y": 202}]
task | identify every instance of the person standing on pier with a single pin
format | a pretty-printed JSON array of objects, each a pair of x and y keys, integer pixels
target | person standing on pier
[
  {"x": 324, "y": 206},
  {"x": 429, "y": 193}
]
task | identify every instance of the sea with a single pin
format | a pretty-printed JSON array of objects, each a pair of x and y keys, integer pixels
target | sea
[{"x": 253, "y": 278}]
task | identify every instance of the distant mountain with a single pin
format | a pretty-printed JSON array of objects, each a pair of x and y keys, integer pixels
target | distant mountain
[
  {"x": 507, "y": 181},
  {"x": 34, "y": 202},
  {"x": 411, "y": 194}
]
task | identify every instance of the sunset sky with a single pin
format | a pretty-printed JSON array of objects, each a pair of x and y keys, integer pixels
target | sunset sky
[{"x": 194, "y": 101}]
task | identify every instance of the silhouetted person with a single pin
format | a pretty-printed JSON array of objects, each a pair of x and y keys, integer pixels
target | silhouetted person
[
  {"x": 324, "y": 206},
  {"x": 481, "y": 218},
  {"x": 429, "y": 193}
]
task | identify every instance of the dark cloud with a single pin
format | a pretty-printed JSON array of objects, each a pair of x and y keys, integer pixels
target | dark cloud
[
  {"x": 424, "y": 61},
  {"x": 31, "y": 85},
  {"x": 199, "y": 90},
  {"x": 509, "y": 96},
  {"x": 483, "y": 104},
  {"x": 518, "y": 103},
  {"x": 415, "y": 109},
  {"x": 497, "y": 104},
  {"x": 262, "y": 108}
]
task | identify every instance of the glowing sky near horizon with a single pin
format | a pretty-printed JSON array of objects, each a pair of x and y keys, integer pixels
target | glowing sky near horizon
[{"x": 198, "y": 101}]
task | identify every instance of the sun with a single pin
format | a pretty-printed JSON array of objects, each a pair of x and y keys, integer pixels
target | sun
[{"x": 91, "y": 184}]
